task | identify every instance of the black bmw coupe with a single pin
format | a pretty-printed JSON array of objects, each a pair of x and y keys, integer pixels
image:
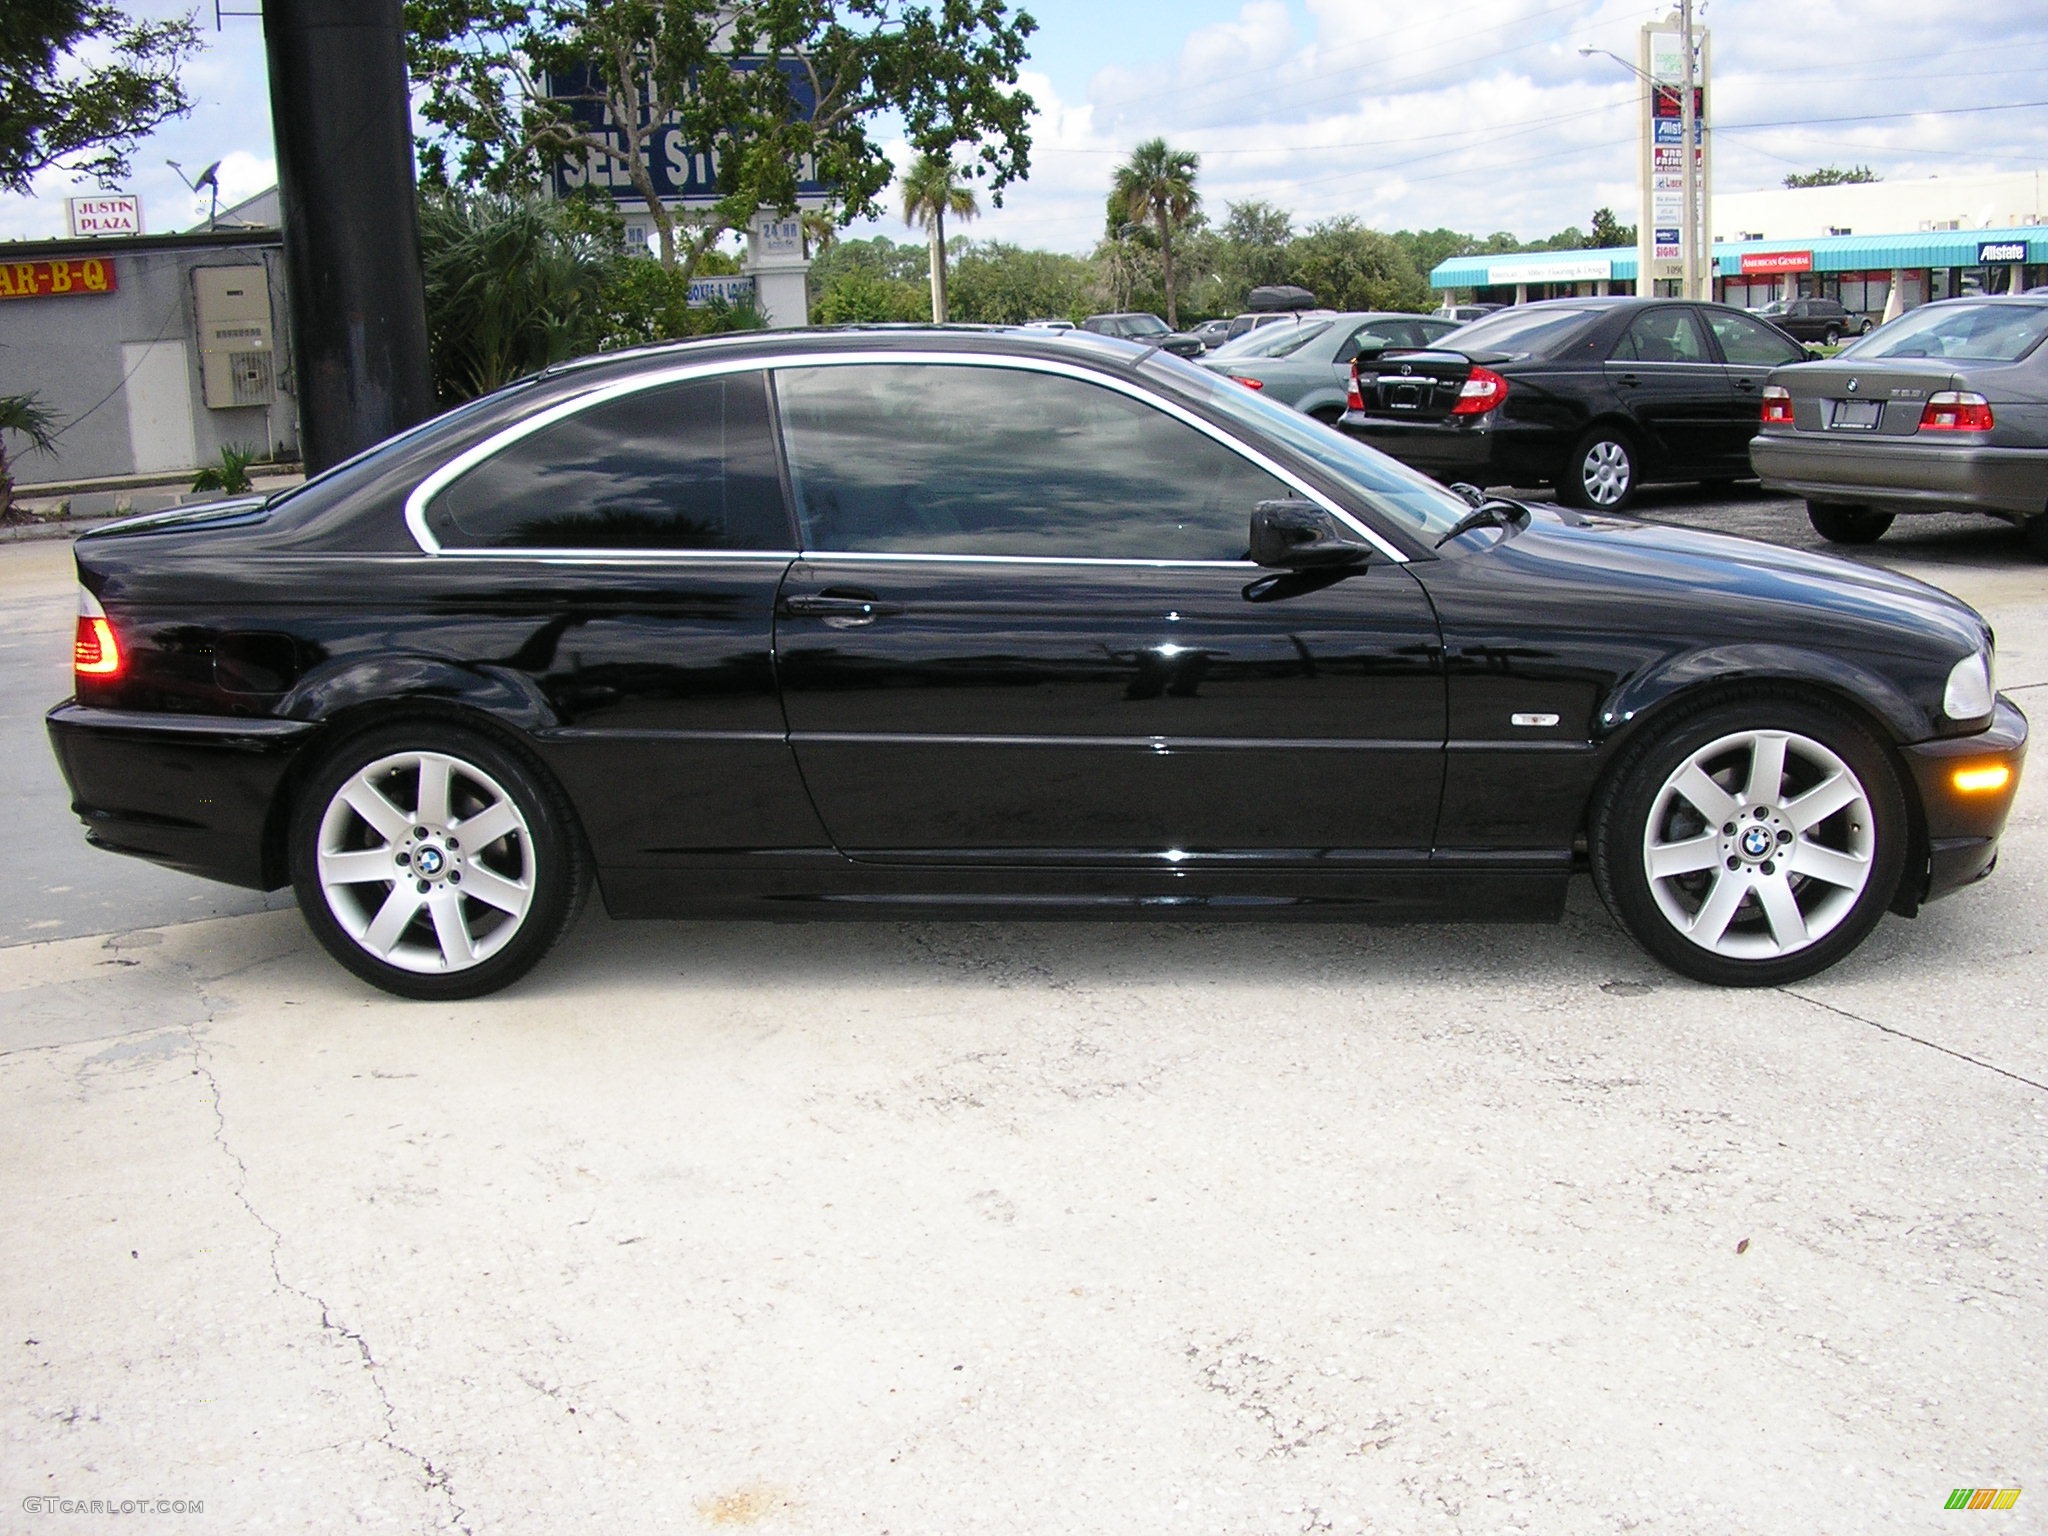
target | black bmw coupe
[{"x": 1002, "y": 623}]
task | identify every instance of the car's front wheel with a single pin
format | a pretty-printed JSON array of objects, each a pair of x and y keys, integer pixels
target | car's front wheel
[
  {"x": 1847, "y": 525},
  {"x": 1751, "y": 843},
  {"x": 434, "y": 862},
  {"x": 1834, "y": 336},
  {"x": 1601, "y": 473}
]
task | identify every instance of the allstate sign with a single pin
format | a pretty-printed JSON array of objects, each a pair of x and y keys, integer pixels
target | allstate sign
[{"x": 1991, "y": 252}]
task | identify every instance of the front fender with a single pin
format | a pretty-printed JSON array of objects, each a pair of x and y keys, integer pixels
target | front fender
[
  {"x": 1644, "y": 692},
  {"x": 503, "y": 694}
]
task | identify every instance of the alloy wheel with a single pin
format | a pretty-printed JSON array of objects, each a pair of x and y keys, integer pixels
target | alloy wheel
[
  {"x": 426, "y": 862},
  {"x": 1759, "y": 844}
]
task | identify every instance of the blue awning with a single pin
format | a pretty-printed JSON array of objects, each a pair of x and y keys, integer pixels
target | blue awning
[{"x": 1918, "y": 249}]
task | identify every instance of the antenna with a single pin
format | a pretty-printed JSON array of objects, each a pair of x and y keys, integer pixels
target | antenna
[{"x": 210, "y": 177}]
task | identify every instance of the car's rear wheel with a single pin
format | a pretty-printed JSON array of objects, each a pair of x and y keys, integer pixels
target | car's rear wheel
[
  {"x": 1601, "y": 473},
  {"x": 1751, "y": 843},
  {"x": 1847, "y": 525},
  {"x": 433, "y": 861},
  {"x": 1328, "y": 415},
  {"x": 2036, "y": 530},
  {"x": 1834, "y": 336}
]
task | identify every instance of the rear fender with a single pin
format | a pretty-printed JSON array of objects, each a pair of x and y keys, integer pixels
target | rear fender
[{"x": 507, "y": 696}]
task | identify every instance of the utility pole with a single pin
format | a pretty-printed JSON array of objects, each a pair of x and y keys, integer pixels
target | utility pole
[
  {"x": 351, "y": 222},
  {"x": 1688, "y": 131}
]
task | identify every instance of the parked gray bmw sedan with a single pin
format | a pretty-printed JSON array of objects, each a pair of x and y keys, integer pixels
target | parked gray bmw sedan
[
  {"x": 1311, "y": 368},
  {"x": 1943, "y": 410}
]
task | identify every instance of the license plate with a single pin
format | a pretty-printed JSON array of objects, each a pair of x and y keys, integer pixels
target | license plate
[
  {"x": 1406, "y": 397},
  {"x": 1857, "y": 415}
]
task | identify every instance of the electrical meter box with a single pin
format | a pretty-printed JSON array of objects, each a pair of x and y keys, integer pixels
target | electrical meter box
[{"x": 236, "y": 346}]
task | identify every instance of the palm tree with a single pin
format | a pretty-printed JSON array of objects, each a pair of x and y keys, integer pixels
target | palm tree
[
  {"x": 1157, "y": 186},
  {"x": 932, "y": 188},
  {"x": 27, "y": 415}
]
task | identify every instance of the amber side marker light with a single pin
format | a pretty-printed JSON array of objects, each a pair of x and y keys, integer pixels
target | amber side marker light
[
  {"x": 95, "y": 653},
  {"x": 1981, "y": 781}
]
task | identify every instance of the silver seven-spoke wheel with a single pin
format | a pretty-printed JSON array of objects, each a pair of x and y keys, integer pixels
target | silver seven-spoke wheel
[
  {"x": 434, "y": 862},
  {"x": 426, "y": 862},
  {"x": 1759, "y": 844},
  {"x": 1751, "y": 843}
]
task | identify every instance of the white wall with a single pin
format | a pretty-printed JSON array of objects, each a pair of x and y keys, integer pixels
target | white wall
[{"x": 1998, "y": 201}]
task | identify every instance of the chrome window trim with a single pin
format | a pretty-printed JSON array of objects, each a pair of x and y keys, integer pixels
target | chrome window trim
[{"x": 422, "y": 494}]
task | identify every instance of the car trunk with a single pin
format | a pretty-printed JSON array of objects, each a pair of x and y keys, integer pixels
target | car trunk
[
  {"x": 1872, "y": 399},
  {"x": 1421, "y": 385}
]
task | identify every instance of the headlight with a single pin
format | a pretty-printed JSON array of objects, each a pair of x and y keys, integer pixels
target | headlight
[{"x": 1968, "y": 695}]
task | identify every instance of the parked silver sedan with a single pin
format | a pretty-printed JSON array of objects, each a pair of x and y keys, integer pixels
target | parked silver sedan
[
  {"x": 1943, "y": 410},
  {"x": 1309, "y": 367}
]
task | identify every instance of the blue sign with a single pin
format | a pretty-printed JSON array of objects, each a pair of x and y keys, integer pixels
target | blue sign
[
  {"x": 706, "y": 291},
  {"x": 681, "y": 173},
  {"x": 1667, "y": 237},
  {"x": 1991, "y": 252}
]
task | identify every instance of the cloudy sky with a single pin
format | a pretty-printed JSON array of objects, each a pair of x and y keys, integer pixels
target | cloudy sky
[{"x": 1477, "y": 115}]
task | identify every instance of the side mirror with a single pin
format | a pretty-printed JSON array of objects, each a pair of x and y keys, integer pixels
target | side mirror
[{"x": 1300, "y": 535}]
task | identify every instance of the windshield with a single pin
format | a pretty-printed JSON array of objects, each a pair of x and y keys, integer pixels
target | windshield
[
  {"x": 447, "y": 420},
  {"x": 1263, "y": 341},
  {"x": 1775, "y": 307},
  {"x": 1142, "y": 325},
  {"x": 1405, "y": 496},
  {"x": 1517, "y": 332},
  {"x": 1965, "y": 332}
]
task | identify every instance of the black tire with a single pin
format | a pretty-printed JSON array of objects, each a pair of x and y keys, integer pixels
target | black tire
[
  {"x": 1640, "y": 798},
  {"x": 1601, "y": 473},
  {"x": 1847, "y": 525},
  {"x": 538, "y": 862},
  {"x": 1328, "y": 415},
  {"x": 2036, "y": 530},
  {"x": 1834, "y": 336}
]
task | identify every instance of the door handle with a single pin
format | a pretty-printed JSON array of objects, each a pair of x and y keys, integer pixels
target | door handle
[
  {"x": 1745, "y": 383},
  {"x": 843, "y": 608},
  {"x": 1630, "y": 380}
]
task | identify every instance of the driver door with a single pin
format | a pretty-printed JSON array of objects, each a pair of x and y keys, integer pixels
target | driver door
[{"x": 1022, "y": 630}]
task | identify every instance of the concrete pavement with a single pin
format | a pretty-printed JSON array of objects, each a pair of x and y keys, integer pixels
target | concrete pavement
[{"x": 1039, "y": 1228}]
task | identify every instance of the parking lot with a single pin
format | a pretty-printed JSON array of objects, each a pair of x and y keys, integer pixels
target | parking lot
[{"x": 1025, "y": 1227}]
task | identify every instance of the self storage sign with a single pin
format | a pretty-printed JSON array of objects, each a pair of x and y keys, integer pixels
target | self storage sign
[{"x": 54, "y": 279}]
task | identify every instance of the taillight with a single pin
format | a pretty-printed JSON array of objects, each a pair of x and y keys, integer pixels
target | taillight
[
  {"x": 1951, "y": 410},
  {"x": 1777, "y": 405},
  {"x": 1353, "y": 400},
  {"x": 94, "y": 650},
  {"x": 1482, "y": 392},
  {"x": 1249, "y": 383}
]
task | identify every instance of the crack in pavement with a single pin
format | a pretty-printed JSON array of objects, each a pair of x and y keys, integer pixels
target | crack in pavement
[
  {"x": 1917, "y": 1040},
  {"x": 435, "y": 1479}
]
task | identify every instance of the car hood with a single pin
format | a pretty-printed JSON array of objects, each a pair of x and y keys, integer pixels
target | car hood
[{"x": 1703, "y": 586}]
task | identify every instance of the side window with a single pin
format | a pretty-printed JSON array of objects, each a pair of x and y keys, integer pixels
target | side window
[
  {"x": 1751, "y": 342},
  {"x": 681, "y": 466},
  {"x": 1663, "y": 336},
  {"x": 957, "y": 460}
]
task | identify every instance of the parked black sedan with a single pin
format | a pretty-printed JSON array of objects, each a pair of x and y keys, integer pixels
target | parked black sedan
[
  {"x": 1592, "y": 396},
  {"x": 891, "y": 623}
]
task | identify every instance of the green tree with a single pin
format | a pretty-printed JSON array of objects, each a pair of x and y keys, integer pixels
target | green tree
[
  {"x": 1428, "y": 249},
  {"x": 1348, "y": 266},
  {"x": 863, "y": 296},
  {"x": 80, "y": 83},
  {"x": 998, "y": 284},
  {"x": 1608, "y": 231},
  {"x": 1156, "y": 187},
  {"x": 709, "y": 75},
  {"x": 1833, "y": 176},
  {"x": 26, "y": 416},
  {"x": 932, "y": 188}
]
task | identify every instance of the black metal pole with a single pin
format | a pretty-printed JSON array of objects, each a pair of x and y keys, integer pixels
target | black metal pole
[{"x": 351, "y": 225}]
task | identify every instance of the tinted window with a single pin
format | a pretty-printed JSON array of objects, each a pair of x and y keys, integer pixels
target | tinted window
[
  {"x": 1522, "y": 332},
  {"x": 1984, "y": 333},
  {"x": 1744, "y": 340},
  {"x": 1662, "y": 336},
  {"x": 935, "y": 459},
  {"x": 682, "y": 466}
]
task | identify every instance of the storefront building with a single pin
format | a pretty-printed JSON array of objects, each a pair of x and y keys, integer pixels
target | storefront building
[
  {"x": 154, "y": 351},
  {"x": 1858, "y": 271}
]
